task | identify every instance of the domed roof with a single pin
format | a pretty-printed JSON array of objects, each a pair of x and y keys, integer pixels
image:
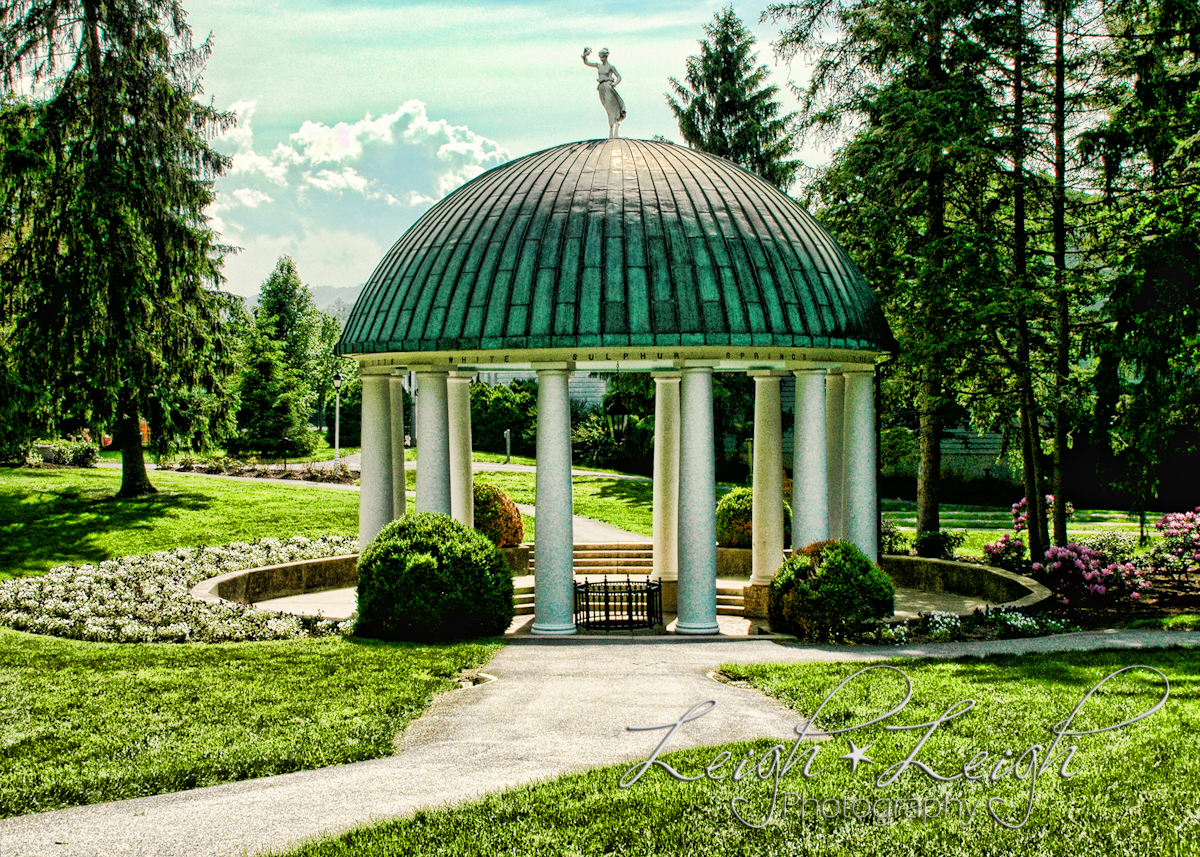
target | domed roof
[{"x": 610, "y": 243}]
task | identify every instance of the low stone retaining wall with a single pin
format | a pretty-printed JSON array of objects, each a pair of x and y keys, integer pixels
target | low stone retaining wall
[
  {"x": 963, "y": 578},
  {"x": 250, "y": 585},
  {"x": 738, "y": 562},
  {"x": 277, "y": 581}
]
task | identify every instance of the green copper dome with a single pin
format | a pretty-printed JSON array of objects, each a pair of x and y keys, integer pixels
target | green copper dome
[{"x": 610, "y": 243}]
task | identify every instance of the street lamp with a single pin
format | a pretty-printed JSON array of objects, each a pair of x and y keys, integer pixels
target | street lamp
[{"x": 337, "y": 417}]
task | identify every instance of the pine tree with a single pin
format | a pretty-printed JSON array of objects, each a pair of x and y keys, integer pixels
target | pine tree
[
  {"x": 724, "y": 108},
  {"x": 109, "y": 290},
  {"x": 274, "y": 410}
]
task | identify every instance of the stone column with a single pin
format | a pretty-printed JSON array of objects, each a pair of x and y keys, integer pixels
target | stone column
[
  {"x": 399, "y": 480},
  {"x": 835, "y": 390},
  {"x": 462, "y": 496},
  {"x": 554, "y": 544},
  {"x": 767, "y": 533},
  {"x": 666, "y": 487},
  {"x": 433, "y": 458},
  {"x": 697, "y": 505},
  {"x": 375, "y": 488},
  {"x": 861, "y": 493},
  {"x": 810, "y": 457}
]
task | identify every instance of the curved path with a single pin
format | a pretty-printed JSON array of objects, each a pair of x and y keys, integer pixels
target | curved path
[{"x": 558, "y": 706}]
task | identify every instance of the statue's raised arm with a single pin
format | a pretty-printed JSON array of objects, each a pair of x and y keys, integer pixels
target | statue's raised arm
[{"x": 614, "y": 105}]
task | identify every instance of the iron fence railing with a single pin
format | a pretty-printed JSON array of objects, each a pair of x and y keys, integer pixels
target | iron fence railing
[{"x": 618, "y": 605}]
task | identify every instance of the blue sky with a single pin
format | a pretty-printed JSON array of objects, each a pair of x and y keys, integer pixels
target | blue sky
[{"x": 354, "y": 117}]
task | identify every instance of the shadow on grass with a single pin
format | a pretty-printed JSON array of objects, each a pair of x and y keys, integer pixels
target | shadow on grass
[
  {"x": 622, "y": 490},
  {"x": 48, "y": 521}
]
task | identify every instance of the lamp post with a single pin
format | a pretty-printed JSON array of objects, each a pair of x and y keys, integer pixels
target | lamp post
[{"x": 337, "y": 417}]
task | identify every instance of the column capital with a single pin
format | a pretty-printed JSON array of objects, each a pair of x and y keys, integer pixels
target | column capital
[
  {"x": 696, "y": 364},
  {"x": 461, "y": 375},
  {"x": 810, "y": 370},
  {"x": 666, "y": 374},
  {"x": 756, "y": 374},
  {"x": 559, "y": 366}
]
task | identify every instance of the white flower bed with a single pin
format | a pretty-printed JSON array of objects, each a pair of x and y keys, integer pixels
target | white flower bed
[{"x": 140, "y": 599}]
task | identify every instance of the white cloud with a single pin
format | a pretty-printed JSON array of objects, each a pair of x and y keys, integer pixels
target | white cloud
[
  {"x": 250, "y": 197},
  {"x": 336, "y": 196}
]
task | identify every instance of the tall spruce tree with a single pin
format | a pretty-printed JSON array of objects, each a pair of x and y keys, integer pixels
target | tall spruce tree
[
  {"x": 108, "y": 291},
  {"x": 906, "y": 193},
  {"x": 724, "y": 108}
]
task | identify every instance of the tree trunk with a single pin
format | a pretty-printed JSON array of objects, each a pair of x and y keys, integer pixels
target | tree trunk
[
  {"x": 135, "y": 482},
  {"x": 930, "y": 440},
  {"x": 1062, "y": 316},
  {"x": 929, "y": 475},
  {"x": 1024, "y": 370}
]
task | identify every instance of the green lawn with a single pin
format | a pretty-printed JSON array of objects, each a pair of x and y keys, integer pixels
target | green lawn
[
  {"x": 984, "y": 524},
  {"x": 622, "y": 503},
  {"x": 84, "y": 723},
  {"x": 49, "y": 517},
  {"x": 1132, "y": 793}
]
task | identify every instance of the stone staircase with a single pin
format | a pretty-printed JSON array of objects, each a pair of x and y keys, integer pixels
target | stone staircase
[{"x": 617, "y": 560}]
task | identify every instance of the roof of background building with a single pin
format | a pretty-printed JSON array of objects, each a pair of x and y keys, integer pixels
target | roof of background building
[{"x": 610, "y": 243}]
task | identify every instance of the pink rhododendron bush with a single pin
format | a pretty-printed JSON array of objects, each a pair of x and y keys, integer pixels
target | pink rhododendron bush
[
  {"x": 1086, "y": 578},
  {"x": 146, "y": 599}
]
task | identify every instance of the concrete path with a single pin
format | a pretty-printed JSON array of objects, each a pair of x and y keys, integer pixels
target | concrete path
[{"x": 557, "y": 706}]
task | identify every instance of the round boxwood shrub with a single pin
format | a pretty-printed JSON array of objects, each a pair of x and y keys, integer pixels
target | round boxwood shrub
[
  {"x": 497, "y": 516},
  {"x": 734, "y": 519},
  {"x": 827, "y": 591},
  {"x": 427, "y": 577}
]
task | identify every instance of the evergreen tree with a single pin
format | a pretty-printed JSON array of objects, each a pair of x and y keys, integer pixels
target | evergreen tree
[
  {"x": 274, "y": 410},
  {"x": 725, "y": 109},
  {"x": 286, "y": 317},
  {"x": 107, "y": 290},
  {"x": 287, "y": 313}
]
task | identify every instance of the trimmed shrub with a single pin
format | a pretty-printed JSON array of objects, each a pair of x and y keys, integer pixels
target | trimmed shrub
[
  {"x": 497, "y": 516},
  {"x": 828, "y": 591},
  {"x": 934, "y": 545},
  {"x": 73, "y": 453},
  {"x": 735, "y": 519},
  {"x": 427, "y": 577}
]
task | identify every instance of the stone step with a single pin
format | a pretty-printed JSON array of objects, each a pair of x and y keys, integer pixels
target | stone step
[
  {"x": 729, "y": 610},
  {"x": 730, "y": 600}
]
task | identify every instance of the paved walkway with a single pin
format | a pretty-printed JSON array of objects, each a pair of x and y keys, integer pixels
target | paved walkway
[{"x": 557, "y": 706}]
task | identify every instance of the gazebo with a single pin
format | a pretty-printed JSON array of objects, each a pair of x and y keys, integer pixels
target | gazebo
[{"x": 640, "y": 256}]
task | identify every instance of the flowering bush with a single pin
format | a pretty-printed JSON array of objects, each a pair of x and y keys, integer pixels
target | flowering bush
[
  {"x": 1085, "y": 577},
  {"x": 894, "y": 541},
  {"x": 1007, "y": 552},
  {"x": 1020, "y": 512},
  {"x": 941, "y": 626},
  {"x": 146, "y": 599},
  {"x": 1118, "y": 547},
  {"x": 1180, "y": 547}
]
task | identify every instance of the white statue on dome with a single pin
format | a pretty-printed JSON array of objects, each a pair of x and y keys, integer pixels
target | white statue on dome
[{"x": 614, "y": 106}]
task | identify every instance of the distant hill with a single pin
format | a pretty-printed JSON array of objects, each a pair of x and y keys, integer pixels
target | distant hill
[
  {"x": 327, "y": 296},
  {"x": 335, "y": 300}
]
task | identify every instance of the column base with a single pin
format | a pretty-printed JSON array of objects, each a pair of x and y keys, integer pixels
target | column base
[
  {"x": 755, "y": 597},
  {"x": 714, "y": 628},
  {"x": 670, "y": 596},
  {"x": 553, "y": 630}
]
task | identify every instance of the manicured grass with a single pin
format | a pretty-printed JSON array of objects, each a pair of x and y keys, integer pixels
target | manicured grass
[
  {"x": 84, "y": 723},
  {"x": 1131, "y": 793},
  {"x": 51, "y": 517}
]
